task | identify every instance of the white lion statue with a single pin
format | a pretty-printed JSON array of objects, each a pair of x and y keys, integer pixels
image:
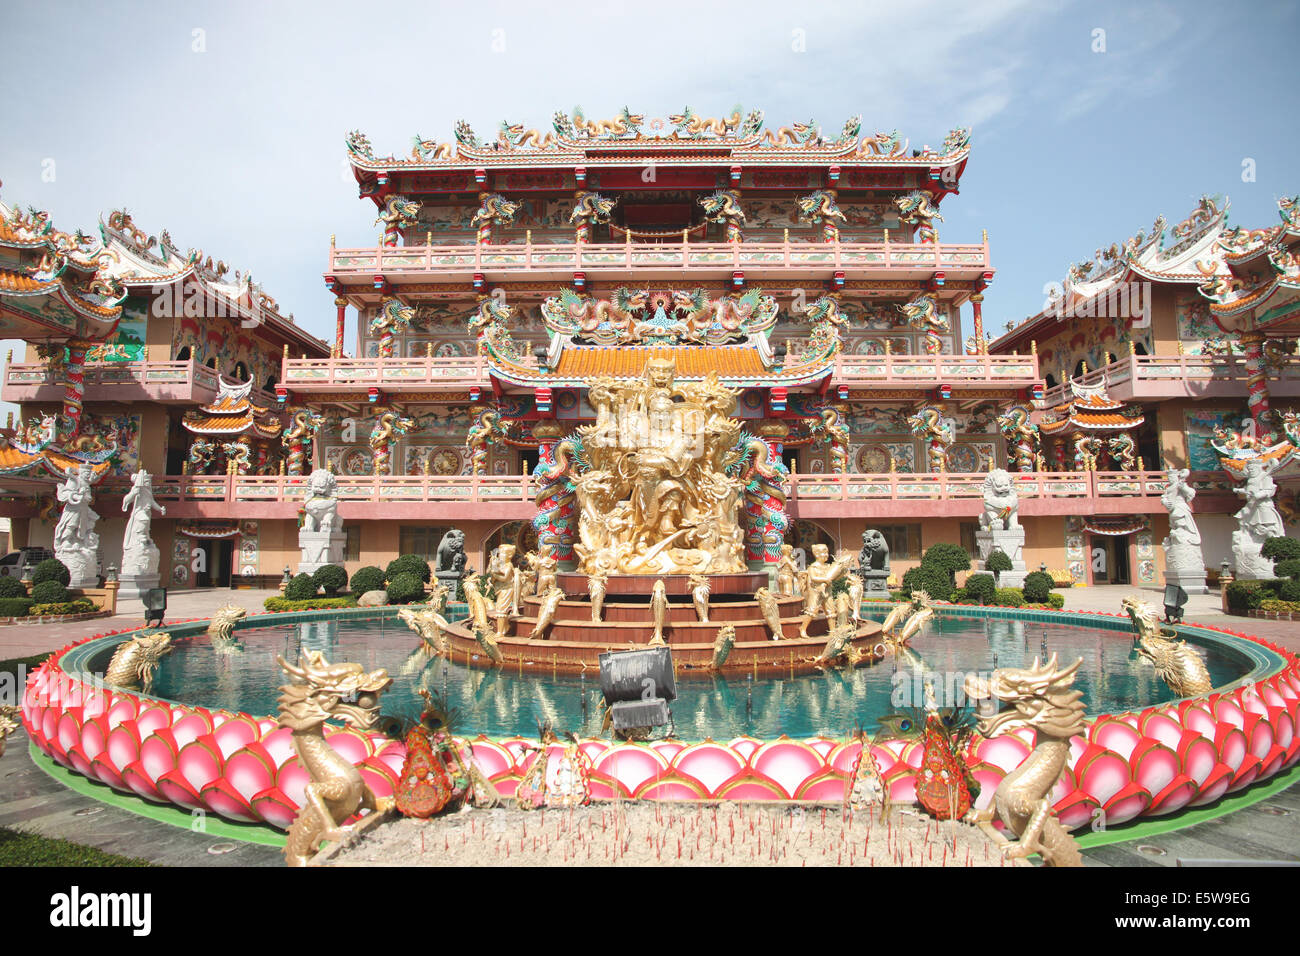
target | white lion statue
[
  {"x": 1001, "y": 505},
  {"x": 322, "y": 503}
]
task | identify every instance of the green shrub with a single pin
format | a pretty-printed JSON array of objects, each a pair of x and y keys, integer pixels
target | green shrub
[
  {"x": 405, "y": 588},
  {"x": 15, "y": 607},
  {"x": 50, "y": 592},
  {"x": 948, "y": 557},
  {"x": 301, "y": 588},
  {"x": 76, "y": 606},
  {"x": 1291, "y": 607},
  {"x": 51, "y": 569},
  {"x": 409, "y": 564},
  {"x": 315, "y": 604},
  {"x": 981, "y": 587},
  {"x": 1289, "y": 591},
  {"x": 1280, "y": 549},
  {"x": 1009, "y": 597},
  {"x": 1038, "y": 584},
  {"x": 934, "y": 581},
  {"x": 997, "y": 563},
  {"x": 12, "y": 588},
  {"x": 1290, "y": 568},
  {"x": 1244, "y": 595},
  {"x": 330, "y": 578},
  {"x": 1057, "y": 601},
  {"x": 369, "y": 578}
]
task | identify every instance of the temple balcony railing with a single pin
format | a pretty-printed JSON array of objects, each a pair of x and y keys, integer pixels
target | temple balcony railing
[
  {"x": 677, "y": 261},
  {"x": 169, "y": 382},
  {"x": 511, "y": 497},
  {"x": 928, "y": 371},
  {"x": 389, "y": 374},
  {"x": 1138, "y": 377}
]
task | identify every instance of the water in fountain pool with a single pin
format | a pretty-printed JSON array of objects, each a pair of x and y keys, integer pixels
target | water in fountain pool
[{"x": 502, "y": 702}]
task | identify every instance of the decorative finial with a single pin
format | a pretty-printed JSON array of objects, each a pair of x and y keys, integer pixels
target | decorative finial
[
  {"x": 428, "y": 350},
  {"x": 1132, "y": 347},
  {"x": 1033, "y": 346},
  {"x": 331, "y": 240}
]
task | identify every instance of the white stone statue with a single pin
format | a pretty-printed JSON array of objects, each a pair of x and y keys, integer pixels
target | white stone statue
[
  {"x": 1000, "y": 528},
  {"x": 1001, "y": 504},
  {"x": 1184, "y": 562},
  {"x": 75, "y": 541},
  {"x": 139, "y": 553},
  {"x": 1257, "y": 521},
  {"x": 322, "y": 503},
  {"x": 321, "y": 537}
]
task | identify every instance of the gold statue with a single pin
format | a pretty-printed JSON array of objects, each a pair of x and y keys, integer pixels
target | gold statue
[
  {"x": 906, "y": 619},
  {"x": 659, "y": 608},
  {"x": 337, "y": 791},
  {"x": 839, "y": 645},
  {"x": 10, "y": 720},
  {"x": 722, "y": 645},
  {"x": 135, "y": 661},
  {"x": 1177, "y": 664},
  {"x": 596, "y": 588},
  {"x": 822, "y": 575},
  {"x": 656, "y": 498},
  {"x": 787, "y": 571},
  {"x": 488, "y": 643},
  {"x": 506, "y": 580},
  {"x": 550, "y": 602},
  {"x": 1041, "y": 698},
  {"x": 771, "y": 612},
  {"x": 545, "y": 566},
  {"x": 700, "y": 596},
  {"x": 477, "y": 603},
  {"x": 430, "y": 625},
  {"x": 223, "y": 621}
]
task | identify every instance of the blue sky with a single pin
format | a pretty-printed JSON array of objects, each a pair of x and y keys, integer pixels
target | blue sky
[{"x": 224, "y": 123}]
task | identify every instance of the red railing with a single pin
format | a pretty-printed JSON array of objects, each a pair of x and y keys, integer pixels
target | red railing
[
  {"x": 1164, "y": 376},
  {"x": 901, "y": 369},
  {"x": 177, "y": 379}
]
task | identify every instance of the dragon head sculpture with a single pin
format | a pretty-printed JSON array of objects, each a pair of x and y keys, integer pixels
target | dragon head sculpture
[
  {"x": 1039, "y": 696},
  {"x": 323, "y": 690}
]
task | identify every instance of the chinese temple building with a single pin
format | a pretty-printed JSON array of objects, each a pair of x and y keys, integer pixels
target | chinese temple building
[{"x": 517, "y": 277}]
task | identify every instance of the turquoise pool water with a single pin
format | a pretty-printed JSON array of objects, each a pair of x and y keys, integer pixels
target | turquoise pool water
[{"x": 503, "y": 702}]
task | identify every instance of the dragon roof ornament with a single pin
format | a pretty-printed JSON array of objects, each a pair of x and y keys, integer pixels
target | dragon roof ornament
[{"x": 742, "y": 133}]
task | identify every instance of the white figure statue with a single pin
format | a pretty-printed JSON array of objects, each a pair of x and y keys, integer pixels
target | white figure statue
[
  {"x": 75, "y": 541},
  {"x": 1257, "y": 521},
  {"x": 1001, "y": 504},
  {"x": 139, "y": 553},
  {"x": 1184, "y": 563},
  {"x": 322, "y": 503}
]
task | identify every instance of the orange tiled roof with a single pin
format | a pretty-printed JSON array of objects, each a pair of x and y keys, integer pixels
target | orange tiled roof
[
  {"x": 16, "y": 282},
  {"x": 229, "y": 425},
  {"x": 629, "y": 361}
]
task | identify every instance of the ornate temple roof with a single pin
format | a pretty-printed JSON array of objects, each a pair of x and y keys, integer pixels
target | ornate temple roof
[
  {"x": 1200, "y": 250},
  {"x": 52, "y": 283},
  {"x": 233, "y": 413},
  {"x": 681, "y": 139},
  {"x": 1092, "y": 409},
  {"x": 729, "y": 361}
]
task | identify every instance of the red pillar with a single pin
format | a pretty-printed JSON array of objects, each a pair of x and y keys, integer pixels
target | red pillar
[
  {"x": 342, "y": 304},
  {"x": 977, "y": 303}
]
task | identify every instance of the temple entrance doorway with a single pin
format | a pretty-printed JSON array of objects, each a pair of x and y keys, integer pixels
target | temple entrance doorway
[
  {"x": 218, "y": 555},
  {"x": 1110, "y": 559}
]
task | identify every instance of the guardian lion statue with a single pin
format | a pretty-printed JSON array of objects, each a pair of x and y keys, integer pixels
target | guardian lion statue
[
  {"x": 321, "y": 507},
  {"x": 1001, "y": 504}
]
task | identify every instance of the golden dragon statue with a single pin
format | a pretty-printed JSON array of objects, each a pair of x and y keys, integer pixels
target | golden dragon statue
[
  {"x": 224, "y": 620},
  {"x": 135, "y": 662},
  {"x": 10, "y": 720},
  {"x": 1177, "y": 664},
  {"x": 1039, "y": 697},
  {"x": 430, "y": 625},
  {"x": 722, "y": 645},
  {"x": 322, "y": 691},
  {"x": 771, "y": 611}
]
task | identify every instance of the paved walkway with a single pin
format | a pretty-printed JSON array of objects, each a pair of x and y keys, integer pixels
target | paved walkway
[{"x": 27, "y": 640}]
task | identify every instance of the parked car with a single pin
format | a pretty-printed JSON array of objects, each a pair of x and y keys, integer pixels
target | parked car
[{"x": 21, "y": 563}]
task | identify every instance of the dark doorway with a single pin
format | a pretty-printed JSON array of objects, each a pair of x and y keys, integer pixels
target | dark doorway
[{"x": 218, "y": 555}]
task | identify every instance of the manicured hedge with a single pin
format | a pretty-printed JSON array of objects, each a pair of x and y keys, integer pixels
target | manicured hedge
[
  {"x": 330, "y": 578},
  {"x": 369, "y": 578},
  {"x": 1038, "y": 584},
  {"x": 1009, "y": 597},
  {"x": 301, "y": 588},
  {"x": 278, "y": 604},
  {"x": 998, "y": 562},
  {"x": 15, "y": 607},
  {"x": 980, "y": 588},
  {"x": 409, "y": 564},
  {"x": 935, "y": 582},
  {"x": 75, "y": 606},
  {"x": 50, "y": 592},
  {"x": 51, "y": 569},
  {"x": 12, "y": 588},
  {"x": 405, "y": 588}
]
